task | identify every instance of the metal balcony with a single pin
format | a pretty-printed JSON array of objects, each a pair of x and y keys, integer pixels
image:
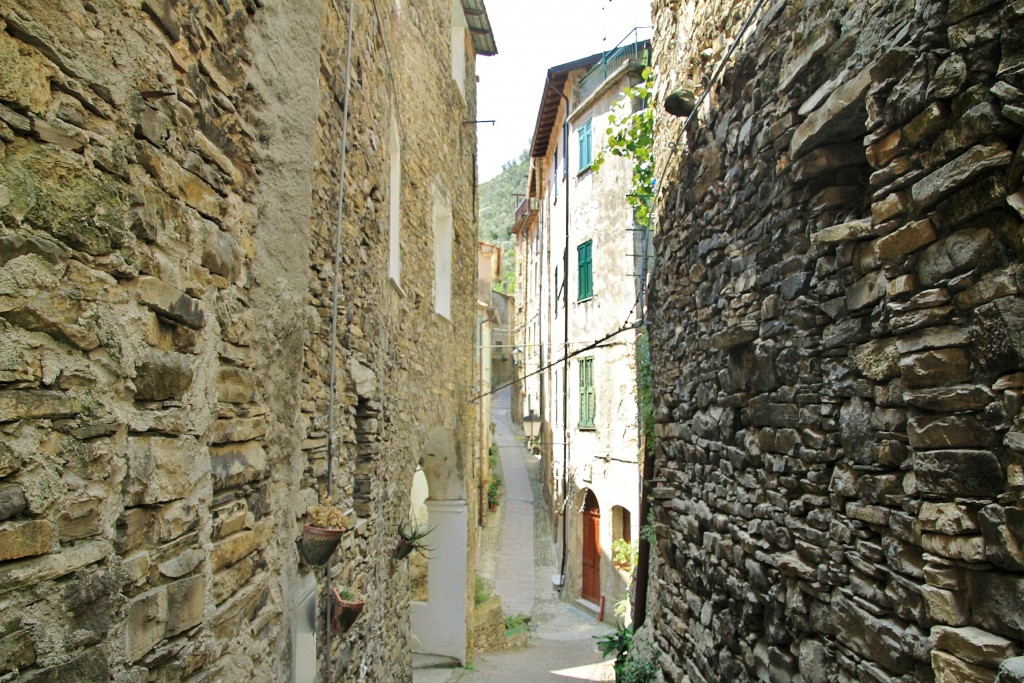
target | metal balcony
[{"x": 526, "y": 213}]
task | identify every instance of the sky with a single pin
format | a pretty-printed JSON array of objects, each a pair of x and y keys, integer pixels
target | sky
[{"x": 533, "y": 36}]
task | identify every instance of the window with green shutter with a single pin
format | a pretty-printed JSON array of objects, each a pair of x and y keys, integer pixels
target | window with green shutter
[
  {"x": 588, "y": 402},
  {"x": 585, "y": 279},
  {"x": 586, "y": 146}
]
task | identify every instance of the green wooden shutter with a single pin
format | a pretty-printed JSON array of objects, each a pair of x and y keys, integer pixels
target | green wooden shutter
[
  {"x": 585, "y": 279},
  {"x": 586, "y": 147},
  {"x": 588, "y": 402}
]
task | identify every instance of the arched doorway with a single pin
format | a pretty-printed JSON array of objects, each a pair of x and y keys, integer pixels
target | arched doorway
[{"x": 591, "y": 549}]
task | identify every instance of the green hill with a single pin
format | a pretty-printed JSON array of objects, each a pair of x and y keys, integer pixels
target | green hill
[{"x": 498, "y": 202}]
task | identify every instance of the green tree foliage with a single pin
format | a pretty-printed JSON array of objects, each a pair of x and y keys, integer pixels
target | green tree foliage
[
  {"x": 631, "y": 135},
  {"x": 498, "y": 202}
]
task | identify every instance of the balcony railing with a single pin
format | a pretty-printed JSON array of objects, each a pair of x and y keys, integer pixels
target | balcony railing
[
  {"x": 526, "y": 210},
  {"x": 629, "y": 49}
]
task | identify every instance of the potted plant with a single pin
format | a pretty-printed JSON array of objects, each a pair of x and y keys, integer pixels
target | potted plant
[
  {"x": 492, "y": 493},
  {"x": 410, "y": 538},
  {"x": 619, "y": 641},
  {"x": 347, "y": 608},
  {"x": 322, "y": 532}
]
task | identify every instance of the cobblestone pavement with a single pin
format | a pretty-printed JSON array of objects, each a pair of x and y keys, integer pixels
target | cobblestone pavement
[{"x": 520, "y": 562}]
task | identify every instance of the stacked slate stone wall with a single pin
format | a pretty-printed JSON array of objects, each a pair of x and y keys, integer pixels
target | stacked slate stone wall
[
  {"x": 838, "y": 343},
  {"x": 169, "y": 178}
]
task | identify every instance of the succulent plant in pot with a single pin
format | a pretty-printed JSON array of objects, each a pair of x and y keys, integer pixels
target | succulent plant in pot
[
  {"x": 325, "y": 523},
  {"x": 347, "y": 608},
  {"x": 410, "y": 538}
]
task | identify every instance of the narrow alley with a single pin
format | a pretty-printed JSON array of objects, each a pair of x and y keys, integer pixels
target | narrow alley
[{"x": 517, "y": 555}]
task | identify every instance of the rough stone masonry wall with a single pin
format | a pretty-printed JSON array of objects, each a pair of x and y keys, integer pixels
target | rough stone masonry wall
[
  {"x": 168, "y": 192},
  {"x": 838, "y": 343}
]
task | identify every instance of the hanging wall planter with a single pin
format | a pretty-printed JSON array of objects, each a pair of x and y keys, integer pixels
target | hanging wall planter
[
  {"x": 410, "y": 537},
  {"x": 347, "y": 608},
  {"x": 321, "y": 534}
]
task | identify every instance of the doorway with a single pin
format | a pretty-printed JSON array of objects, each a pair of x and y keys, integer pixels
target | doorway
[{"x": 591, "y": 550}]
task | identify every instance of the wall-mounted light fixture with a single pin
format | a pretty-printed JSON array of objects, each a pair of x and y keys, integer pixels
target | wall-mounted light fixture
[{"x": 531, "y": 425}]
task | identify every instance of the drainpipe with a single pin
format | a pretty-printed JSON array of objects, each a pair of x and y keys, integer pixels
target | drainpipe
[
  {"x": 332, "y": 380},
  {"x": 481, "y": 485},
  {"x": 642, "y": 573}
]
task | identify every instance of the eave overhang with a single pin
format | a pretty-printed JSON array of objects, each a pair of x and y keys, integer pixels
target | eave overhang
[{"x": 479, "y": 27}]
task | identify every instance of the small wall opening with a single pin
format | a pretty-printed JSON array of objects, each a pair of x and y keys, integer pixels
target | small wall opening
[
  {"x": 419, "y": 515},
  {"x": 622, "y": 537}
]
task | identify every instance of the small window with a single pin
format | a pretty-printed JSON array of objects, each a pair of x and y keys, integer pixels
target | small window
[
  {"x": 443, "y": 242},
  {"x": 554, "y": 175},
  {"x": 559, "y": 380},
  {"x": 585, "y": 279},
  {"x": 588, "y": 404},
  {"x": 586, "y": 146},
  {"x": 557, "y": 292}
]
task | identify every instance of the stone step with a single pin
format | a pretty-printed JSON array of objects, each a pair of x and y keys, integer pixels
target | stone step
[
  {"x": 588, "y": 608},
  {"x": 425, "y": 661}
]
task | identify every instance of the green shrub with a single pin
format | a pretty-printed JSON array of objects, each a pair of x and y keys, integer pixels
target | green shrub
[
  {"x": 516, "y": 621},
  {"x": 636, "y": 671},
  {"x": 481, "y": 591},
  {"x": 625, "y": 554}
]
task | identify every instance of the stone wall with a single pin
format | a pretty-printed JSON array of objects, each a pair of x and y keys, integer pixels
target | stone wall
[
  {"x": 168, "y": 200},
  {"x": 837, "y": 343}
]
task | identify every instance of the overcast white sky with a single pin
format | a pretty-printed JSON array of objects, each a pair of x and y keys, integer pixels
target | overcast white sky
[{"x": 533, "y": 36}]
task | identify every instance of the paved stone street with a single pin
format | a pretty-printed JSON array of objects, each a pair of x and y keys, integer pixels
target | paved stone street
[{"x": 521, "y": 561}]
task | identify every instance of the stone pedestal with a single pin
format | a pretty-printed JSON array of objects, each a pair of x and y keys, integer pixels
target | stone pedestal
[{"x": 440, "y": 623}]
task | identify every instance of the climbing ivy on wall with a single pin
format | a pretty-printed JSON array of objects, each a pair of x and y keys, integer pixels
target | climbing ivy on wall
[{"x": 631, "y": 135}]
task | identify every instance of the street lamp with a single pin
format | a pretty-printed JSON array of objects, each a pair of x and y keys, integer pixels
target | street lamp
[{"x": 531, "y": 425}]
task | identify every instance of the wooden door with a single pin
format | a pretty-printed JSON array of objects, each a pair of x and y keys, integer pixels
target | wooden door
[{"x": 591, "y": 550}]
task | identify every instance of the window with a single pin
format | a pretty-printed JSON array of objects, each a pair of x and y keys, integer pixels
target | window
[
  {"x": 554, "y": 175},
  {"x": 622, "y": 551},
  {"x": 588, "y": 404},
  {"x": 586, "y": 146},
  {"x": 559, "y": 379},
  {"x": 565, "y": 154},
  {"x": 558, "y": 291},
  {"x": 395, "y": 231},
  {"x": 585, "y": 278},
  {"x": 442, "y": 216}
]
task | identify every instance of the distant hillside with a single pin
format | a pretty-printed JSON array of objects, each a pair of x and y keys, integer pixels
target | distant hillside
[{"x": 498, "y": 203}]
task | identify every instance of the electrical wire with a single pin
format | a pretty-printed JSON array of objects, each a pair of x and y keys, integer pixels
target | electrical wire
[
  {"x": 714, "y": 77},
  {"x": 600, "y": 343}
]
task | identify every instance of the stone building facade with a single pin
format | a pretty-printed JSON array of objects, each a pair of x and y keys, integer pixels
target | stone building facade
[
  {"x": 170, "y": 175},
  {"x": 838, "y": 342}
]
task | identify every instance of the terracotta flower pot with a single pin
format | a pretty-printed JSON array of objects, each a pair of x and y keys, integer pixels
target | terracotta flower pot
[
  {"x": 318, "y": 544},
  {"x": 345, "y": 611}
]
